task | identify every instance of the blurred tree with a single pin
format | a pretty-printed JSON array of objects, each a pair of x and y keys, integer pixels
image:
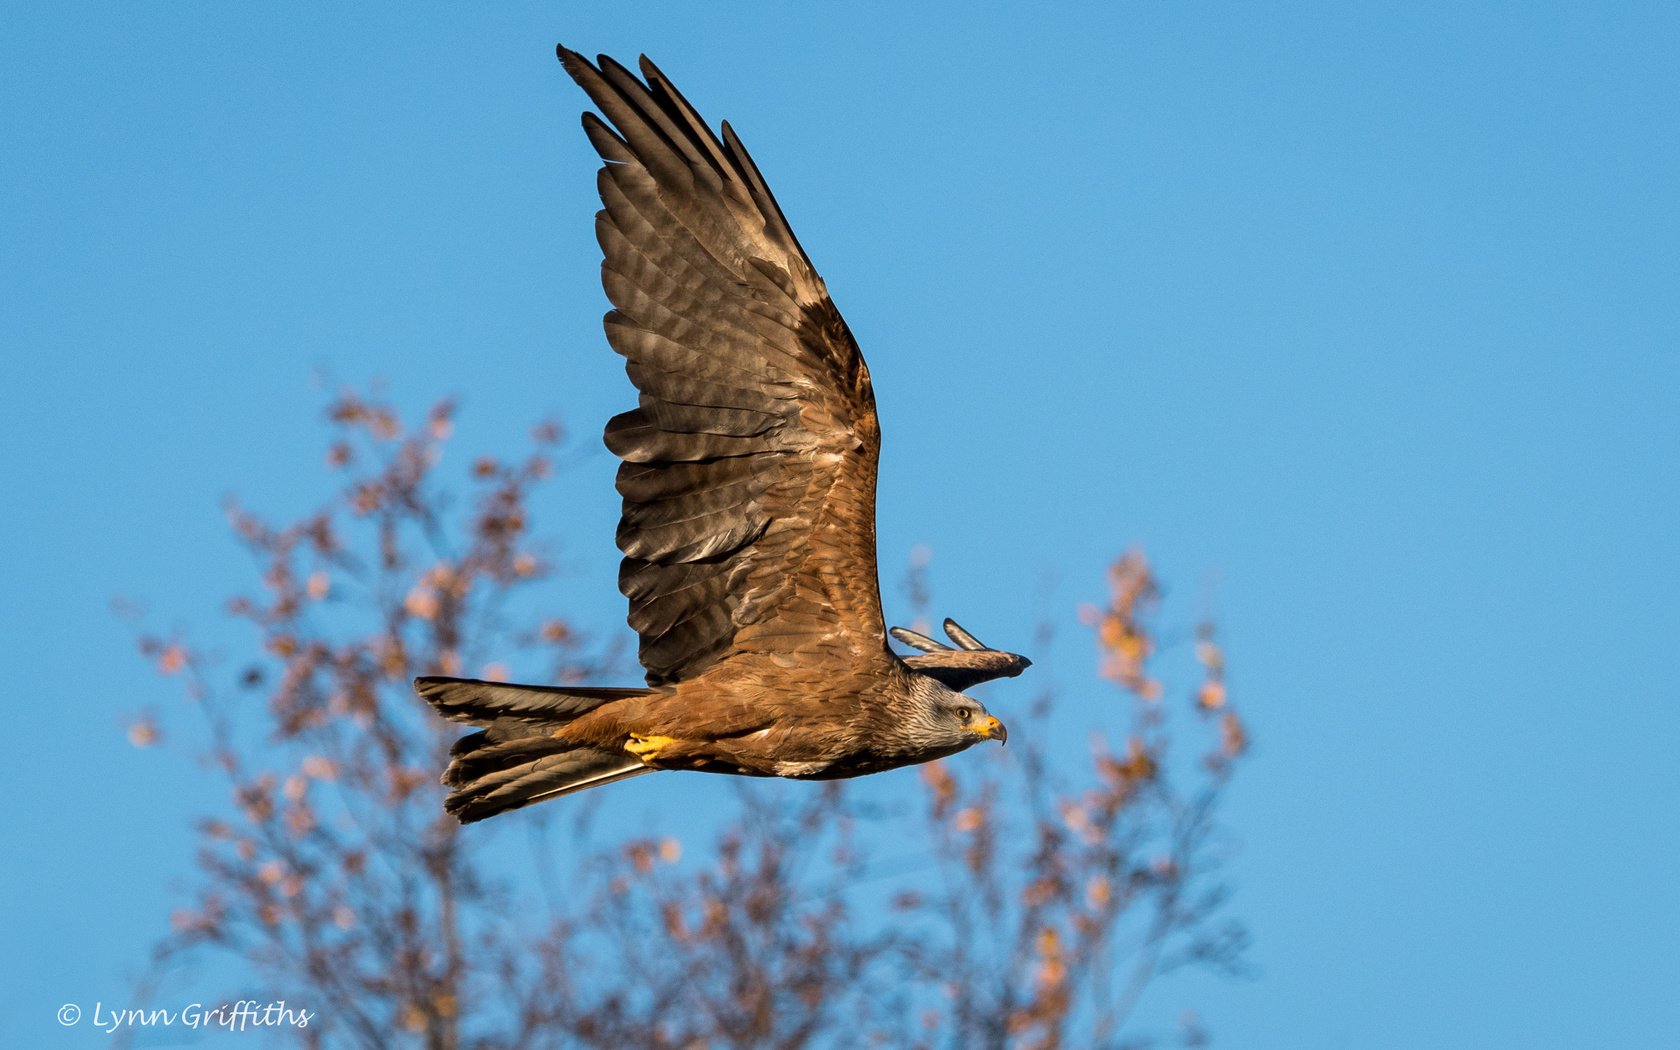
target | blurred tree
[{"x": 1046, "y": 893}]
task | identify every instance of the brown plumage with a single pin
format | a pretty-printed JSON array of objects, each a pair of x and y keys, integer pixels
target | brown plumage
[{"x": 748, "y": 479}]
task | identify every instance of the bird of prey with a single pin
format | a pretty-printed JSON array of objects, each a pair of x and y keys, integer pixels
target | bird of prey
[{"x": 748, "y": 528}]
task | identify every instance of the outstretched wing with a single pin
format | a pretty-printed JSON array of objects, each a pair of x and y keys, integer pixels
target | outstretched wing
[
  {"x": 969, "y": 664},
  {"x": 749, "y": 463}
]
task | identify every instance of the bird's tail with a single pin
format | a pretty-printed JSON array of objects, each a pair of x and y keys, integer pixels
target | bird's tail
[{"x": 515, "y": 760}]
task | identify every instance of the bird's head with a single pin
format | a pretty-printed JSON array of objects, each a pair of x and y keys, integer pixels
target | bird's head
[{"x": 948, "y": 721}]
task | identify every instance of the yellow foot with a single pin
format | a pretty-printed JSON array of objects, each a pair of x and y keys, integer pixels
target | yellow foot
[{"x": 647, "y": 748}]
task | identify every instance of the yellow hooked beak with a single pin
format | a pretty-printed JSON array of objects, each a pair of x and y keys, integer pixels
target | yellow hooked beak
[{"x": 991, "y": 729}]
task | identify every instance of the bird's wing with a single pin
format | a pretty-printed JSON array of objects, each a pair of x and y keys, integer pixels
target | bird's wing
[
  {"x": 967, "y": 665},
  {"x": 749, "y": 463}
]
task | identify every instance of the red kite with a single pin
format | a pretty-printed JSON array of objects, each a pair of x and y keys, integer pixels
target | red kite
[{"x": 748, "y": 528}]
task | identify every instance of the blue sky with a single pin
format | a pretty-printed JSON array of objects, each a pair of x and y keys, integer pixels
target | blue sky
[{"x": 1361, "y": 318}]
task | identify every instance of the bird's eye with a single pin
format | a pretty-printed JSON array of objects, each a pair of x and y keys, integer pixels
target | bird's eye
[{"x": 964, "y": 713}]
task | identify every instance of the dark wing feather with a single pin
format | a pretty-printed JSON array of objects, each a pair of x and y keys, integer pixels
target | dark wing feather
[
  {"x": 749, "y": 462},
  {"x": 971, "y": 663}
]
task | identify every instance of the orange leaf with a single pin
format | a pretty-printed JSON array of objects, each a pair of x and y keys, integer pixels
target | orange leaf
[{"x": 172, "y": 659}]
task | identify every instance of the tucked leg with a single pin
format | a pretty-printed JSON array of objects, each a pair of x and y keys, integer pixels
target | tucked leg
[{"x": 648, "y": 748}]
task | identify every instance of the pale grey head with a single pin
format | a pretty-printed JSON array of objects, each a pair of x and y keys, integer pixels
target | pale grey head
[{"x": 941, "y": 719}]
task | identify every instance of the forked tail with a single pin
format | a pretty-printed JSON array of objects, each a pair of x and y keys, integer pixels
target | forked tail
[{"x": 515, "y": 759}]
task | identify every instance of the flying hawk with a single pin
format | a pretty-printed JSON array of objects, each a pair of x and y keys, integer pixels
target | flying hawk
[{"x": 748, "y": 529}]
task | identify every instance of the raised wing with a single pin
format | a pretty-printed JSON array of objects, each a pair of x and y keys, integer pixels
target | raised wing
[
  {"x": 749, "y": 463},
  {"x": 970, "y": 663}
]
